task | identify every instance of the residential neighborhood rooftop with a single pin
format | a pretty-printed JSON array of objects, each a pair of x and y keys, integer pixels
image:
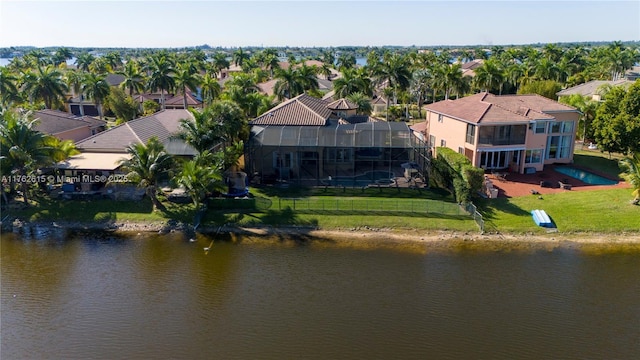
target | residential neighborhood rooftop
[
  {"x": 488, "y": 108},
  {"x": 162, "y": 125}
]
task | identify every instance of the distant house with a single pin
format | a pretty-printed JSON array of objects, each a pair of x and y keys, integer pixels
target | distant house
[
  {"x": 101, "y": 152},
  {"x": 67, "y": 126},
  {"x": 593, "y": 89},
  {"x": 516, "y": 132},
  {"x": 79, "y": 105},
  {"x": 171, "y": 101},
  {"x": 311, "y": 141}
]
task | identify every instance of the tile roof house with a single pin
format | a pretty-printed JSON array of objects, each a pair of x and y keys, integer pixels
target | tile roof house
[
  {"x": 592, "y": 89},
  {"x": 80, "y": 105},
  {"x": 102, "y": 151},
  {"x": 308, "y": 140},
  {"x": 521, "y": 133},
  {"x": 66, "y": 126}
]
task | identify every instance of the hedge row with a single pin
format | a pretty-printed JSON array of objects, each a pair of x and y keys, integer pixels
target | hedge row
[{"x": 454, "y": 171}]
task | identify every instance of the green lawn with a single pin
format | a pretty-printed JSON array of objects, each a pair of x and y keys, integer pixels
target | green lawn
[
  {"x": 603, "y": 211},
  {"x": 606, "y": 211}
]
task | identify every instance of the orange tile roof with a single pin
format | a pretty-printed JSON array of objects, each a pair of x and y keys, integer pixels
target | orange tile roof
[
  {"x": 489, "y": 108},
  {"x": 301, "y": 110}
]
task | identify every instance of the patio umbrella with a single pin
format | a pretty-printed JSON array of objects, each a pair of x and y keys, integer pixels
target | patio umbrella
[{"x": 409, "y": 165}]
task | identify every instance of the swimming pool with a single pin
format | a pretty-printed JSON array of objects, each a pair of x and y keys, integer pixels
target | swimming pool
[
  {"x": 584, "y": 176},
  {"x": 365, "y": 179}
]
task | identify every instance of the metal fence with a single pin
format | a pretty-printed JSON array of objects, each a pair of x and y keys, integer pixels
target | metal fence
[
  {"x": 473, "y": 211},
  {"x": 424, "y": 206}
]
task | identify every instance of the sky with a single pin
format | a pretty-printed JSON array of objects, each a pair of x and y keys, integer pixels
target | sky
[{"x": 303, "y": 23}]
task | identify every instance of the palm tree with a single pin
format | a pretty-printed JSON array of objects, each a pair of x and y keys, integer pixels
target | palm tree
[
  {"x": 363, "y": 101},
  {"x": 220, "y": 62},
  {"x": 23, "y": 148},
  {"x": 394, "y": 74},
  {"x": 161, "y": 77},
  {"x": 421, "y": 83},
  {"x": 201, "y": 176},
  {"x": 8, "y": 87},
  {"x": 307, "y": 75},
  {"x": 289, "y": 84},
  {"x": 75, "y": 80},
  {"x": 133, "y": 78},
  {"x": 210, "y": 88},
  {"x": 61, "y": 56},
  {"x": 114, "y": 59},
  {"x": 489, "y": 76},
  {"x": 631, "y": 168},
  {"x": 199, "y": 132},
  {"x": 186, "y": 78},
  {"x": 346, "y": 61},
  {"x": 97, "y": 89},
  {"x": 352, "y": 81},
  {"x": 84, "y": 61},
  {"x": 47, "y": 85},
  {"x": 240, "y": 56},
  {"x": 38, "y": 58},
  {"x": 228, "y": 121},
  {"x": 146, "y": 165}
]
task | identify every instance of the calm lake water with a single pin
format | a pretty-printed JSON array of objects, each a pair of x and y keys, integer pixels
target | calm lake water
[{"x": 101, "y": 296}]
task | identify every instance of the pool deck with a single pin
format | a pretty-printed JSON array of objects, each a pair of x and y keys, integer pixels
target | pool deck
[{"x": 513, "y": 184}]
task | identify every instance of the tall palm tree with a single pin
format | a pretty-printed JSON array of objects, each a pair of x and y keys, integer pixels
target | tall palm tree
[
  {"x": 289, "y": 84},
  {"x": 394, "y": 74},
  {"x": 352, "y": 81},
  {"x": 97, "y": 89},
  {"x": 161, "y": 76},
  {"x": 346, "y": 61},
  {"x": 239, "y": 57},
  {"x": 421, "y": 83},
  {"x": 84, "y": 61},
  {"x": 134, "y": 78},
  {"x": 210, "y": 88},
  {"x": 46, "y": 84},
  {"x": 114, "y": 59},
  {"x": 74, "y": 80},
  {"x": 307, "y": 75},
  {"x": 220, "y": 62},
  {"x": 8, "y": 87},
  {"x": 186, "y": 78},
  {"x": 61, "y": 56},
  {"x": 23, "y": 149},
  {"x": 489, "y": 76},
  {"x": 146, "y": 165}
]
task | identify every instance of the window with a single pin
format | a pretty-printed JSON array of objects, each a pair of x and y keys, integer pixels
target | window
[
  {"x": 460, "y": 150},
  {"x": 432, "y": 141},
  {"x": 533, "y": 156},
  {"x": 567, "y": 127},
  {"x": 559, "y": 147},
  {"x": 471, "y": 133},
  {"x": 443, "y": 143},
  {"x": 540, "y": 128},
  {"x": 440, "y": 118},
  {"x": 555, "y": 127}
]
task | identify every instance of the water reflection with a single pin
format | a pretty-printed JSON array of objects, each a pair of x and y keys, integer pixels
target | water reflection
[{"x": 107, "y": 296}]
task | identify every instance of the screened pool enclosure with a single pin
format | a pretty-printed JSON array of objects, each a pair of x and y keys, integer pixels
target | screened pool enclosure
[{"x": 334, "y": 154}]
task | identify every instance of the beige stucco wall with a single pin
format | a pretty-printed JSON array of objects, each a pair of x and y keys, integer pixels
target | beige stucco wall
[
  {"x": 453, "y": 131},
  {"x": 74, "y": 134}
]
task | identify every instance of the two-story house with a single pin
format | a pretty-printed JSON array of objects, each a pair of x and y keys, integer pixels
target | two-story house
[{"x": 521, "y": 133}]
